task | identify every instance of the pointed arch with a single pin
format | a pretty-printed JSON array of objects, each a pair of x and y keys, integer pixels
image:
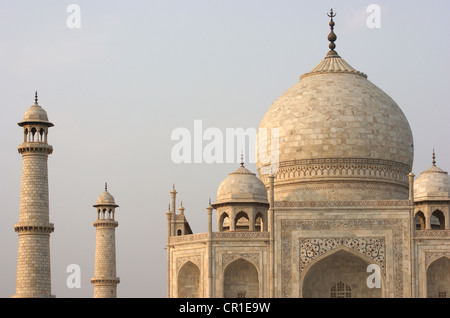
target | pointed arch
[
  {"x": 188, "y": 281},
  {"x": 437, "y": 220},
  {"x": 342, "y": 264},
  {"x": 25, "y": 134},
  {"x": 241, "y": 221},
  {"x": 224, "y": 222},
  {"x": 419, "y": 220},
  {"x": 41, "y": 135},
  {"x": 241, "y": 280},
  {"x": 438, "y": 278},
  {"x": 33, "y": 133},
  {"x": 259, "y": 222}
]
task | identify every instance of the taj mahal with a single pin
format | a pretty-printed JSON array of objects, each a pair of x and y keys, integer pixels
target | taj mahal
[
  {"x": 340, "y": 214},
  {"x": 343, "y": 199}
]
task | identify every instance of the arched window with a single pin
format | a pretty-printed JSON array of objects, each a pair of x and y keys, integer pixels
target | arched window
[
  {"x": 341, "y": 290},
  {"x": 437, "y": 220},
  {"x": 259, "y": 222},
  {"x": 33, "y": 132},
  {"x": 420, "y": 221},
  {"x": 242, "y": 223},
  {"x": 179, "y": 232},
  {"x": 224, "y": 222}
]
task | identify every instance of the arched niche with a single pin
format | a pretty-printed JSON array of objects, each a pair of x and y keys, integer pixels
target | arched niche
[
  {"x": 438, "y": 278},
  {"x": 340, "y": 266},
  {"x": 241, "y": 280},
  {"x": 189, "y": 281}
]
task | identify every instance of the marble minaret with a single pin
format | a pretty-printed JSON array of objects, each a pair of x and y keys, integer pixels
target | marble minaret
[
  {"x": 105, "y": 280},
  {"x": 33, "y": 228}
]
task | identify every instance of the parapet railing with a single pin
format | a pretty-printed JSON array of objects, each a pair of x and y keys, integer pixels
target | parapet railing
[{"x": 232, "y": 235}]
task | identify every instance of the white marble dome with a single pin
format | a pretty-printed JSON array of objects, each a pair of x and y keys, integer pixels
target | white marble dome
[
  {"x": 105, "y": 199},
  {"x": 35, "y": 114},
  {"x": 241, "y": 186},
  {"x": 334, "y": 126},
  {"x": 432, "y": 184}
]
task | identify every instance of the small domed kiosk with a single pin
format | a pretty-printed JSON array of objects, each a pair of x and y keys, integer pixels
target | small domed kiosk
[
  {"x": 432, "y": 198},
  {"x": 241, "y": 202}
]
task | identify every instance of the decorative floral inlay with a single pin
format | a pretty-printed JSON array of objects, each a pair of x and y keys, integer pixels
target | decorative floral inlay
[{"x": 313, "y": 247}]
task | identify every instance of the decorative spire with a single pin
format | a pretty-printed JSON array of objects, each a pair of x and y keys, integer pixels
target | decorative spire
[
  {"x": 434, "y": 159},
  {"x": 209, "y": 208},
  {"x": 35, "y": 98},
  {"x": 181, "y": 208},
  {"x": 332, "y": 37},
  {"x": 242, "y": 159},
  {"x": 106, "y": 186}
]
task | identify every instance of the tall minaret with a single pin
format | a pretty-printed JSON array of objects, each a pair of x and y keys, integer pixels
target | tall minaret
[
  {"x": 105, "y": 280},
  {"x": 33, "y": 260}
]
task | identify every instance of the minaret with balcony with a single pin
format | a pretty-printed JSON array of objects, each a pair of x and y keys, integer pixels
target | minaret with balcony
[
  {"x": 105, "y": 279},
  {"x": 34, "y": 228}
]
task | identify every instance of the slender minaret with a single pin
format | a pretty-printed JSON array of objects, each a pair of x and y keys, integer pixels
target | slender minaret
[
  {"x": 105, "y": 280},
  {"x": 33, "y": 228}
]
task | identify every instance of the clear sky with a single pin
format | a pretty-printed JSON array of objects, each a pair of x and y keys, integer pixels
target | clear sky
[{"x": 117, "y": 86}]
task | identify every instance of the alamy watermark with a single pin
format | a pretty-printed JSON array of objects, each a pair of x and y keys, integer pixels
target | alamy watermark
[
  {"x": 74, "y": 279},
  {"x": 374, "y": 279},
  {"x": 73, "y": 21},
  {"x": 214, "y": 145},
  {"x": 374, "y": 20}
]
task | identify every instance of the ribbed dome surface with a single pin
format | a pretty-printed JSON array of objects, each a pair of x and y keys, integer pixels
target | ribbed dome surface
[{"x": 333, "y": 64}]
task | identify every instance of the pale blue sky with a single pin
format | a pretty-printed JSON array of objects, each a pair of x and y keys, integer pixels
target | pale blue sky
[{"x": 117, "y": 87}]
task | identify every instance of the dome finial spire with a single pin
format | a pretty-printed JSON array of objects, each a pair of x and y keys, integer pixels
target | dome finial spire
[
  {"x": 332, "y": 37},
  {"x": 242, "y": 159},
  {"x": 106, "y": 186},
  {"x": 434, "y": 158},
  {"x": 35, "y": 98}
]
